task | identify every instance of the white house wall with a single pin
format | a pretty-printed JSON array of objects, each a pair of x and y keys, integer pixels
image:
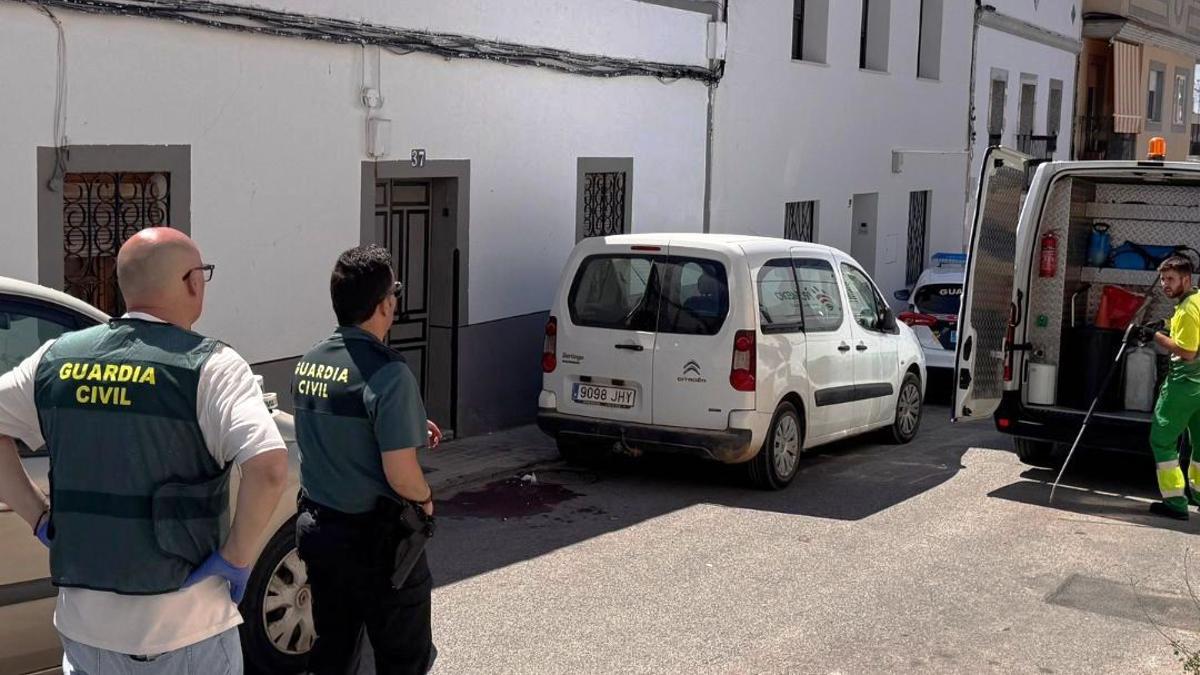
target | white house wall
[
  {"x": 1018, "y": 55},
  {"x": 832, "y": 129},
  {"x": 276, "y": 132}
]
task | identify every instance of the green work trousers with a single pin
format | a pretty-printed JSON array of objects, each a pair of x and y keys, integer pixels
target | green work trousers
[{"x": 1177, "y": 410}]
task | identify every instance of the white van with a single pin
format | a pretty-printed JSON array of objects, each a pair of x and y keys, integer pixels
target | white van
[
  {"x": 1029, "y": 351},
  {"x": 738, "y": 349}
]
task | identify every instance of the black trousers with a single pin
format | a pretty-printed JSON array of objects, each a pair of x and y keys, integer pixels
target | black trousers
[{"x": 351, "y": 587}]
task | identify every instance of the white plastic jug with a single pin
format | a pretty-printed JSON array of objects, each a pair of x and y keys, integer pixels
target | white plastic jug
[
  {"x": 1140, "y": 377},
  {"x": 1043, "y": 380}
]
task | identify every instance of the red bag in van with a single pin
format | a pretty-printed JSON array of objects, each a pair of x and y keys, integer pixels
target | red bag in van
[{"x": 1117, "y": 307}]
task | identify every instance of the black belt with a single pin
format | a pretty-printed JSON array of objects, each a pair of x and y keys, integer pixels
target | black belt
[{"x": 331, "y": 515}]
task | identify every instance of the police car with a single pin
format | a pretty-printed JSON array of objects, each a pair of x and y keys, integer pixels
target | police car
[
  {"x": 932, "y": 312},
  {"x": 278, "y": 629}
]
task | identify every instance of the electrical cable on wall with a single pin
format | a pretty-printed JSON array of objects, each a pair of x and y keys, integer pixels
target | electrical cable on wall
[
  {"x": 54, "y": 183},
  {"x": 396, "y": 40}
]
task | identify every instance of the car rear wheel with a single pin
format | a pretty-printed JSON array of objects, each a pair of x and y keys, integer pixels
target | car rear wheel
[
  {"x": 908, "y": 410},
  {"x": 777, "y": 462},
  {"x": 278, "y": 631},
  {"x": 1037, "y": 453}
]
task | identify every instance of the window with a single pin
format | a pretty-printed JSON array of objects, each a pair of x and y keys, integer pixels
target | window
[
  {"x": 798, "y": 29},
  {"x": 861, "y": 294},
  {"x": 800, "y": 221},
  {"x": 1154, "y": 93},
  {"x": 929, "y": 40},
  {"x": 820, "y": 300},
  {"x": 25, "y": 327},
  {"x": 603, "y": 204},
  {"x": 810, "y": 30},
  {"x": 873, "y": 35},
  {"x": 92, "y": 199},
  {"x": 996, "y": 102},
  {"x": 1054, "y": 108},
  {"x": 779, "y": 298},
  {"x": 610, "y": 292},
  {"x": 918, "y": 228},
  {"x": 686, "y": 296},
  {"x": 695, "y": 297},
  {"x": 1179, "y": 114},
  {"x": 1028, "y": 105},
  {"x": 100, "y": 212},
  {"x": 938, "y": 299}
]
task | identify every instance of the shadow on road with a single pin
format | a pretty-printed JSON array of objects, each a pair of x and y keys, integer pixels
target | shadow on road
[
  {"x": 510, "y": 521},
  {"x": 1110, "y": 485}
]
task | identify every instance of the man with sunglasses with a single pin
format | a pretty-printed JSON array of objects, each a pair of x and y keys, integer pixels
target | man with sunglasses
[
  {"x": 359, "y": 423},
  {"x": 143, "y": 420}
]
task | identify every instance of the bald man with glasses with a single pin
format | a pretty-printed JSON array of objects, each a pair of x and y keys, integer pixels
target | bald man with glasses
[{"x": 143, "y": 420}]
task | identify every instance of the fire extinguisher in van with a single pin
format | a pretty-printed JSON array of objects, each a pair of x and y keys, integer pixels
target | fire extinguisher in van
[{"x": 1048, "y": 265}]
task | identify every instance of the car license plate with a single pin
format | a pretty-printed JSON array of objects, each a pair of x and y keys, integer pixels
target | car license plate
[
  {"x": 595, "y": 394},
  {"x": 954, "y": 337}
]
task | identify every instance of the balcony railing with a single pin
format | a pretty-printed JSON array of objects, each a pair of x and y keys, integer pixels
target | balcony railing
[
  {"x": 1095, "y": 139},
  {"x": 1037, "y": 147}
]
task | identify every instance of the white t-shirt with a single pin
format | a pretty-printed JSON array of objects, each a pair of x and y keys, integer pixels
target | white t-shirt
[{"x": 236, "y": 426}]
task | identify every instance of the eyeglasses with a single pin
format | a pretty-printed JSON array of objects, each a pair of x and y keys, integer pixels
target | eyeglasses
[
  {"x": 398, "y": 288},
  {"x": 207, "y": 269}
]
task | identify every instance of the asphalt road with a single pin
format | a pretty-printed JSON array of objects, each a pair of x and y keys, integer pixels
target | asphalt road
[{"x": 939, "y": 556}]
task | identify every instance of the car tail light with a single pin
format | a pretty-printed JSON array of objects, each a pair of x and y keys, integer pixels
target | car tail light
[
  {"x": 741, "y": 372},
  {"x": 550, "y": 346},
  {"x": 1003, "y": 422},
  {"x": 915, "y": 319}
]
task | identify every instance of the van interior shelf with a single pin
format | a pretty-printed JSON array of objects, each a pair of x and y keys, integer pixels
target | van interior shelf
[
  {"x": 1154, "y": 212},
  {"x": 1112, "y": 275}
]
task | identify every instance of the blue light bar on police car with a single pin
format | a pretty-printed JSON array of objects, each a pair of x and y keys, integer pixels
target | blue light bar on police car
[{"x": 940, "y": 259}]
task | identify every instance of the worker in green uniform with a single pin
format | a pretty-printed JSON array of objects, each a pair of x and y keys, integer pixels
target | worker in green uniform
[{"x": 1178, "y": 407}]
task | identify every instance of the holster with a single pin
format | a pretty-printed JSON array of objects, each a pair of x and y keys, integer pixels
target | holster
[{"x": 403, "y": 529}]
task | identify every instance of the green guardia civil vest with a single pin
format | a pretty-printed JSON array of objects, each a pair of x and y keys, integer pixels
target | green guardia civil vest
[{"x": 137, "y": 501}]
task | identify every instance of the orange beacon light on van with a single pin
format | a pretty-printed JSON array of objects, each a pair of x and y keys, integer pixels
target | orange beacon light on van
[{"x": 1158, "y": 149}]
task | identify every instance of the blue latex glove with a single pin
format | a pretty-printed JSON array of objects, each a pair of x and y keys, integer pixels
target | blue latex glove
[
  {"x": 216, "y": 566},
  {"x": 42, "y": 531}
]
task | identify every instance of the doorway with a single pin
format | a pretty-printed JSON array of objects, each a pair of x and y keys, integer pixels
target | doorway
[
  {"x": 419, "y": 215},
  {"x": 864, "y": 213}
]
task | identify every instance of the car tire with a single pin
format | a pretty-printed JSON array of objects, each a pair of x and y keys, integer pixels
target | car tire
[
  {"x": 778, "y": 461},
  {"x": 909, "y": 406},
  {"x": 277, "y": 592},
  {"x": 1037, "y": 453}
]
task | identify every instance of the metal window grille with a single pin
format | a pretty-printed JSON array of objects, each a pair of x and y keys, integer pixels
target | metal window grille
[
  {"x": 798, "y": 29},
  {"x": 100, "y": 212},
  {"x": 604, "y": 204},
  {"x": 918, "y": 225},
  {"x": 800, "y": 221}
]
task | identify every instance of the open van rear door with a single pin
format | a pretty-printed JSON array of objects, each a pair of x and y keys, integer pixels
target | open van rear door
[{"x": 987, "y": 289}]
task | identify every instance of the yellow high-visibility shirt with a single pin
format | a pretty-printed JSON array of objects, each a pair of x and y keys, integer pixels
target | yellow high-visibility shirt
[{"x": 1185, "y": 331}]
